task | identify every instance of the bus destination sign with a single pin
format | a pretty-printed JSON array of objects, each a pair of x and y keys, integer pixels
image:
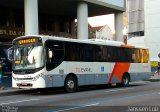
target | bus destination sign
[{"x": 27, "y": 41}]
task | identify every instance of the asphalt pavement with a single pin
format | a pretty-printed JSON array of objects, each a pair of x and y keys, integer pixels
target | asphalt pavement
[{"x": 139, "y": 96}]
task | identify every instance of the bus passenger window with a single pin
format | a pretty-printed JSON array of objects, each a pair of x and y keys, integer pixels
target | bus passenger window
[{"x": 55, "y": 54}]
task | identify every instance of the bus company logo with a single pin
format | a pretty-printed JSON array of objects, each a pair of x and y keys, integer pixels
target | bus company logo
[{"x": 84, "y": 70}]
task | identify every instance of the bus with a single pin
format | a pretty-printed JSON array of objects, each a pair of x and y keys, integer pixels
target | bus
[{"x": 49, "y": 61}]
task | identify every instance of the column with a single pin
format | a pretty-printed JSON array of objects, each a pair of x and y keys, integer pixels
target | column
[
  {"x": 56, "y": 25},
  {"x": 119, "y": 27},
  {"x": 73, "y": 27},
  {"x": 82, "y": 21},
  {"x": 11, "y": 18},
  {"x": 31, "y": 17}
]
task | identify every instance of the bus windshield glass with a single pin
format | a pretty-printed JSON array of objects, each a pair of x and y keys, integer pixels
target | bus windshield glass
[{"x": 28, "y": 57}]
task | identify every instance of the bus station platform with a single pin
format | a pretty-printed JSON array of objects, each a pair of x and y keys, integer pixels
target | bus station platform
[{"x": 155, "y": 77}]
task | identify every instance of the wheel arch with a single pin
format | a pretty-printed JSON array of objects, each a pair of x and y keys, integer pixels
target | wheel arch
[
  {"x": 126, "y": 73},
  {"x": 73, "y": 75}
]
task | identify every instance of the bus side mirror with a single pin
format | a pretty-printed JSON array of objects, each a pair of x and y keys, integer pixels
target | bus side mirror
[{"x": 10, "y": 53}]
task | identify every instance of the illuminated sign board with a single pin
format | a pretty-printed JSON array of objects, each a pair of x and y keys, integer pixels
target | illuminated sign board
[
  {"x": 17, "y": 62},
  {"x": 27, "y": 41}
]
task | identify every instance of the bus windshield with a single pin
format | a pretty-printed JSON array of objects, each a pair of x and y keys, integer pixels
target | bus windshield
[{"x": 28, "y": 57}]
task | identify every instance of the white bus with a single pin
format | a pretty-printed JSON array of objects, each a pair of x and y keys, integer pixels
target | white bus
[{"x": 47, "y": 61}]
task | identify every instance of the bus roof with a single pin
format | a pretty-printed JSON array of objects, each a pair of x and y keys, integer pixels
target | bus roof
[{"x": 88, "y": 41}]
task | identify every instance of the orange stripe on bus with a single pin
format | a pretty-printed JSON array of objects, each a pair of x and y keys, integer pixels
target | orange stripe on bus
[
  {"x": 118, "y": 71},
  {"x": 127, "y": 46}
]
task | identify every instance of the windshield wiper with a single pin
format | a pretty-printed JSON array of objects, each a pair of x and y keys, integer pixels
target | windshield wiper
[{"x": 30, "y": 51}]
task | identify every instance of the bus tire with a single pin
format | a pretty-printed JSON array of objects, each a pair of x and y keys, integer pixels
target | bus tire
[
  {"x": 70, "y": 84},
  {"x": 125, "y": 80}
]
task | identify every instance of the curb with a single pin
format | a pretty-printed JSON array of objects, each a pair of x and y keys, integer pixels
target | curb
[{"x": 154, "y": 80}]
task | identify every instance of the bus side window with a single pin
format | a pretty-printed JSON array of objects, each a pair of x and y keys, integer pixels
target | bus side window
[
  {"x": 145, "y": 56},
  {"x": 100, "y": 53},
  {"x": 87, "y": 53},
  {"x": 54, "y": 54},
  {"x": 72, "y": 52},
  {"x": 136, "y": 55}
]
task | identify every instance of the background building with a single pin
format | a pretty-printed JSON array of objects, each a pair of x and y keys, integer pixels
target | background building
[
  {"x": 152, "y": 27},
  {"x": 48, "y": 17},
  {"x": 53, "y": 17},
  {"x": 135, "y": 22},
  {"x": 135, "y": 14},
  {"x": 143, "y": 26},
  {"x": 104, "y": 32}
]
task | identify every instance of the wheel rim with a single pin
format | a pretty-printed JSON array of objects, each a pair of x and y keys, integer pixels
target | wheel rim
[
  {"x": 70, "y": 84},
  {"x": 125, "y": 80}
]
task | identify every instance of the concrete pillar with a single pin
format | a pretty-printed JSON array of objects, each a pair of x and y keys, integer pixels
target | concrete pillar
[
  {"x": 82, "y": 20},
  {"x": 73, "y": 27},
  {"x": 56, "y": 25},
  {"x": 11, "y": 18},
  {"x": 119, "y": 27},
  {"x": 31, "y": 17}
]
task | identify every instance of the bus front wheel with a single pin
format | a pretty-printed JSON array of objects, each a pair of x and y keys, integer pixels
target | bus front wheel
[{"x": 70, "y": 84}]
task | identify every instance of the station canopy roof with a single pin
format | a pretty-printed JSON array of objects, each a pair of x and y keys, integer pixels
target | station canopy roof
[{"x": 65, "y": 7}]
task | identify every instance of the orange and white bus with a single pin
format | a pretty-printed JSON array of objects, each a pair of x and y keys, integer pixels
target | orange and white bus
[{"x": 48, "y": 61}]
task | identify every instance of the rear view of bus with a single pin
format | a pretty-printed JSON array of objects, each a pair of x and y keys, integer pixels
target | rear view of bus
[{"x": 28, "y": 63}]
